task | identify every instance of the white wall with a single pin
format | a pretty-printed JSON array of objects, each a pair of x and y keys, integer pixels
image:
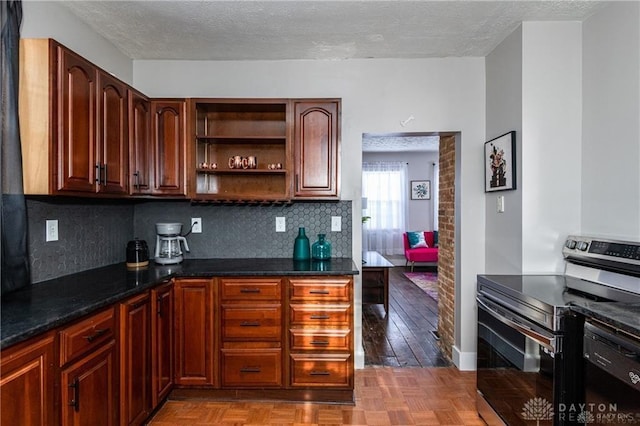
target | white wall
[
  {"x": 419, "y": 167},
  {"x": 49, "y": 19},
  {"x": 504, "y": 114},
  {"x": 442, "y": 94},
  {"x": 551, "y": 141},
  {"x": 611, "y": 123}
]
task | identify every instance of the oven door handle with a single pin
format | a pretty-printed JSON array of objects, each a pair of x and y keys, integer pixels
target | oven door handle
[{"x": 548, "y": 342}]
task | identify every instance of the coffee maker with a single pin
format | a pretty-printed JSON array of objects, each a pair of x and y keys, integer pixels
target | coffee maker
[{"x": 168, "y": 239}]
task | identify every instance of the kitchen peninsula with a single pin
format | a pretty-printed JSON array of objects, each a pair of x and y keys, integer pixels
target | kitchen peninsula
[{"x": 233, "y": 328}]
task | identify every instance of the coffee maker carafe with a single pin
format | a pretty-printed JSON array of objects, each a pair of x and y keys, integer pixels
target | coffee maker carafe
[{"x": 168, "y": 248}]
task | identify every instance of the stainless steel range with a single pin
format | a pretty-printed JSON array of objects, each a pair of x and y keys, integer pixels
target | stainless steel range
[{"x": 535, "y": 365}]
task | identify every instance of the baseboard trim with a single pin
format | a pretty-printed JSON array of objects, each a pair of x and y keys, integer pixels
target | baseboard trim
[{"x": 465, "y": 361}]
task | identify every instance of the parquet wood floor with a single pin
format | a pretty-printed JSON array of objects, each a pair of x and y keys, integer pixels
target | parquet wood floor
[
  {"x": 403, "y": 337},
  {"x": 383, "y": 396}
]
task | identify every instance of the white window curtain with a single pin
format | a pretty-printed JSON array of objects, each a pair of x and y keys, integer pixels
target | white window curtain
[
  {"x": 434, "y": 194},
  {"x": 384, "y": 185}
]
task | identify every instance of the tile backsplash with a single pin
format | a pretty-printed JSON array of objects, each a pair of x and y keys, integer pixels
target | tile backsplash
[
  {"x": 247, "y": 231},
  {"x": 91, "y": 234},
  {"x": 95, "y": 233}
]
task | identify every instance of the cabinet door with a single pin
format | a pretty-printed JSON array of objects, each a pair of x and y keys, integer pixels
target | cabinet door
[
  {"x": 194, "y": 330},
  {"x": 27, "y": 383},
  {"x": 140, "y": 146},
  {"x": 135, "y": 377},
  {"x": 88, "y": 387},
  {"x": 113, "y": 136},
  {"x": 316, "y": 149},
  {"x": 161, "y": 342},
  {"x": 76, "y": 121},
  {"x": 168, "y": 134}
]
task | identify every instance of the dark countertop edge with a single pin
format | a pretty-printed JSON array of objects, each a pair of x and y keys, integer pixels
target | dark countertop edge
[
  {"x": 610, "y": 313},
  {"x": 94, "y": 307}
]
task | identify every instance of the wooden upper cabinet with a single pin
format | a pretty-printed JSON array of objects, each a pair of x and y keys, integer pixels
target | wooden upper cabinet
[
  {"x": 140, "y": 144},
  {"x": 75, "y": 139},
  {"x": 73, "y": 123},
  {"x": 316, "y": 149},
  {"x": 168, "y": 137},
  {"x": 113, "y": 138}
]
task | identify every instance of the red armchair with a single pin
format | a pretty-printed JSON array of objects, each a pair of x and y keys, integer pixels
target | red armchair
[{"x": 420, "y": 254}]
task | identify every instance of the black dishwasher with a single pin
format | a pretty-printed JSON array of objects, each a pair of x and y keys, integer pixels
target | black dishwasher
[{"x": 612, "y": 376}]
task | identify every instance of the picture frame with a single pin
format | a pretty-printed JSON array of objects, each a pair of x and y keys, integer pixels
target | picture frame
[
  {"x": 420, "y": 189},
  {"x": 500, "y": 163}
]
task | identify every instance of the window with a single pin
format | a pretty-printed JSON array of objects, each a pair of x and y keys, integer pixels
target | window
[{"x": 384, "y": 184}]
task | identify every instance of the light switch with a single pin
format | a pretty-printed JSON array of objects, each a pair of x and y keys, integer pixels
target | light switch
[
  {"x": 500, "y": 203},
  {"x": 336, "y": 223}
]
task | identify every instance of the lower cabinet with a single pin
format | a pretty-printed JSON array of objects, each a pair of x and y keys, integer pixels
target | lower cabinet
[
  {"x": 237, "y": 336},
  {"x": 194, "y": 332},
  {"x": 321, "y": 332},
  {"x": 162, "y": 342},
  {"x": 135, "y": 361},
  {"x": 27, "y": 384},
  {"x": 89, "y": 390},
  {"x": 89, "y": 370}
]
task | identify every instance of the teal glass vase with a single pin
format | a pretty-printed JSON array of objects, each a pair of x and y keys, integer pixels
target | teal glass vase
[
  {"x": 321, "y": 249},
  {"x": 301, "y": 249}
]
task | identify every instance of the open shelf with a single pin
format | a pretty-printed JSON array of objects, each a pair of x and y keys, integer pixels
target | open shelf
[{"x": 225, "y": 128}]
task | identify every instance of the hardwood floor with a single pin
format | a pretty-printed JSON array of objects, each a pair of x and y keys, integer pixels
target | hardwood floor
[
  {"x": 383, "y": 396},
  {"x": 395, "y": 388},
  {"x": 405, "y": 337}
]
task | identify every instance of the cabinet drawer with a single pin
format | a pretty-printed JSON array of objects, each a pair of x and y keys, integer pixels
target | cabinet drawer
[
  {"x": 244, "y": 289},
  {"x": 254, "y": 322},
  {"x": 339, "y": 315},
  {"x": 325, "y": 340},
  {"x": 86, "y": 335},
  {"x": 321, "y": 370},
  {"x": 251, "y": 368},
  {"x": 321, "y": 289}
]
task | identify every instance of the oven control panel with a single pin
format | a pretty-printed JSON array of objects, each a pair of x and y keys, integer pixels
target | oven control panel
[{"x": 596, "y": 248}]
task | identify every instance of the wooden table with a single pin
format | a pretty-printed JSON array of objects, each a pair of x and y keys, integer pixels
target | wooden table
[{"x": 375, "y": 279}]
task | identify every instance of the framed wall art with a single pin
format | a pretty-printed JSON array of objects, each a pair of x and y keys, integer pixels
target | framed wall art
[
  {"x": 420, "y": 189},
  {"x": 500, "y": 163}
]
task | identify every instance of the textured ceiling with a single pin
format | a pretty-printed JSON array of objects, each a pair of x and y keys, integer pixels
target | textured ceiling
[{"x": 277, "y": 30}]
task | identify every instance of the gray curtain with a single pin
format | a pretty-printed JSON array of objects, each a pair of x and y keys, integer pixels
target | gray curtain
[{"x": 15, "y": 258}]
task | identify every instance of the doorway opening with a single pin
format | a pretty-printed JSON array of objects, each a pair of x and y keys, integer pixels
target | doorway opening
[{"x": 401, "y": 192}]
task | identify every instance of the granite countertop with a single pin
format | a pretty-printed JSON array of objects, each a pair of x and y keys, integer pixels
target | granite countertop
[
  {"x": 623, "y": 316},
  {"x": 49, "y": 304}
]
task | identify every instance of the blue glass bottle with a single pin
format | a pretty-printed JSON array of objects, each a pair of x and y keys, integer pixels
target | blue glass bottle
[
  {"x": 301, "y": 249},
  {"x": 321, "y": 249}
]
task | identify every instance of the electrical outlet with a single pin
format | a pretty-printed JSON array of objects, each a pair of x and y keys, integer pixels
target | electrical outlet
[
  {"x": 52, "y": 230},
  {"x": 281, "y": 224},
  {"x": 336, "y": 223},
  {"x": 196, "y": 225}
]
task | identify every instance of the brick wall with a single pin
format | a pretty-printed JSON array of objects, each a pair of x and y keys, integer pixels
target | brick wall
[{"x": 446, "y": 240}]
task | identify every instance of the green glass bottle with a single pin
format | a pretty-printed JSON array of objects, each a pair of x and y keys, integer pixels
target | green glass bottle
[
  {"x": 321, "y": 249},
  {"x": 301, "y": 249}
]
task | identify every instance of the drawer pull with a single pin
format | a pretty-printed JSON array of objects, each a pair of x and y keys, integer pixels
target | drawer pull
[
  {"x": 249, "y": 290},
  {"x": 96, "y": 335},
  {"x": 75, "y": 402},
  {"x": 250, "y": 370},
  {"x": 250, "y": 324},
  {"x": 318, "y": 291},
  {"x": 321, "y": 317},
  {"x": 319, "y": 373},
  {"x": 159, "y": 303},
  {"x": 320, "y": 342}
]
